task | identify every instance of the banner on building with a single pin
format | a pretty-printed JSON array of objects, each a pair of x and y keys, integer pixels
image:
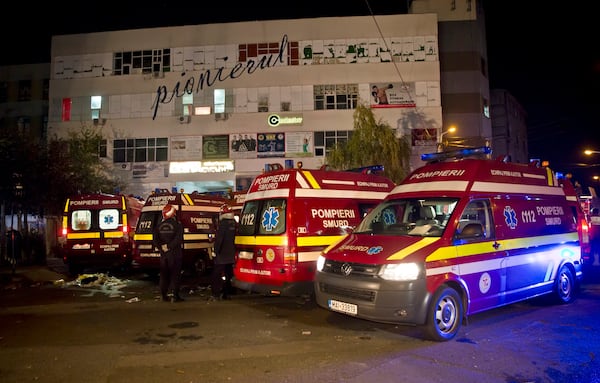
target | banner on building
[{"x": 393, "y": 95}]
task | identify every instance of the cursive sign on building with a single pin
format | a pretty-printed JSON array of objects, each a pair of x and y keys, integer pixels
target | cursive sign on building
[{"x": 209, "y": 77}]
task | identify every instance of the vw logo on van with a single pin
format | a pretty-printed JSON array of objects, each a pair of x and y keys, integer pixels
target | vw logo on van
[{"x": 346, "y": 269}]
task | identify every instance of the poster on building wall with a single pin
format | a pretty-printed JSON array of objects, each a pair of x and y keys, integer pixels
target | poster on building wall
[
  {"x": 186, "y": 148},
  {"x": 393, "y": 95},
  {"x": 271, "y": 144},
  {"x": 298, "y": 144},
  {"x": 215, "y": 147},
  {"x": 242, "y": 146}
]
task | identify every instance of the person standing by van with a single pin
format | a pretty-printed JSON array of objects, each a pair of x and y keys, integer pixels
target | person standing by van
[
  {"x": 224, "y": 255},
  {"x": 168, "y": 238},
  {"x": 595, "y": 235}
]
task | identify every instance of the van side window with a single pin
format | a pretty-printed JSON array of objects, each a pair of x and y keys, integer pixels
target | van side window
[{"x": 476, "y": 221}]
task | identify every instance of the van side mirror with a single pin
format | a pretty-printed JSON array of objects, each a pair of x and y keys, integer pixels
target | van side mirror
[{"x": 471, "y": 231}]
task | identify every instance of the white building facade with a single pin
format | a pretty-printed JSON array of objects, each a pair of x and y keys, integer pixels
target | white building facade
[{"x": 207, "y": 107}]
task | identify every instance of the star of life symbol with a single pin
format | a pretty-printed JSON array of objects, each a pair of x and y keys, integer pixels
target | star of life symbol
[
  {"x": 108, "y": 219},
  {"x": 510, "y": 217},
  {"x": 270, "y": 219},
  {"x": 389, "y": 217},
  {"x": 374, "y": 250}
]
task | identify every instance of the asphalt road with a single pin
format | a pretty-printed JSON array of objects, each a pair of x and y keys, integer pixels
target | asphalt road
[{"x": 114, "y": 329}]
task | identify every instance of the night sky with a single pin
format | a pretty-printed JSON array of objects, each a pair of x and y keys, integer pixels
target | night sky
[{"x": 545, "y": 56}]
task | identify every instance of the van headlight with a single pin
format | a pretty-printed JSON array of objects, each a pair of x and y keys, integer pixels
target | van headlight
[
  {"x": 320, "y": 263},
  {"x": 400, "y": 272}
]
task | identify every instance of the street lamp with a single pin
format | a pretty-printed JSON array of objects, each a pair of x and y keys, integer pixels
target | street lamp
[
  {"x": 440, "y": 143},
  {"x": 590, "y": 152}
]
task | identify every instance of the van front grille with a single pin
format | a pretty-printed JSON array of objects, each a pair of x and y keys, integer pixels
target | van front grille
[
  {"x": 351, "y": 269},
  {"x": 363, "y": 295}
]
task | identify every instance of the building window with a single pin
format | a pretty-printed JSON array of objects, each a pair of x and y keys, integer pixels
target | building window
[
  {"x": 66, "y": 109},
  {"x": 46, "y": 89},
  {"x": 141, "y": 150},
  {"x": 155, "y": 61},
  {"x": 340, "y": 96},
  {"x": 3, "y": 91},
  {"x": 95, "y": 106},
  {"x": 219, "y": 97},
  {"x": 325, "y": 141},
  {"x": 25, "y": 90},
  {"x": 485, "y": 107},
  {"x": 187, "y": 102},
  {"x": 102, "y": 152}
]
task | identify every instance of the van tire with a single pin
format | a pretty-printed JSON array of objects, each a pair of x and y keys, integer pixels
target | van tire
[
  {"x": 565, "y": 285},
  {"x": 445, "y": 315}
]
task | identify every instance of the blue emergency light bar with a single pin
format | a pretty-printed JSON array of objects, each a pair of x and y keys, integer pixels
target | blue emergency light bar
[{"x": 456, "y": 154}]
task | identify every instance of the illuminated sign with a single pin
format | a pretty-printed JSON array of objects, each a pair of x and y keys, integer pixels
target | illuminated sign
[
  {"x": 201, "y": 167},
  {"x": 276, "y": 120}
]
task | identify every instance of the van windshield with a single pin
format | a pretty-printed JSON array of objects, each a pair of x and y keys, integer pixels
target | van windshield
[
  {"x": 148, "y": 220},
  {"x": 418, "y": 217}
]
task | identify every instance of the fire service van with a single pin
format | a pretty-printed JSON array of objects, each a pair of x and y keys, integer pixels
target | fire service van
[
  {"x": 289, "y": 216},
  {"x": 97, "y": 230},
  {"x": 199, "y": 215},
  {"x": 458, "y": 236}
]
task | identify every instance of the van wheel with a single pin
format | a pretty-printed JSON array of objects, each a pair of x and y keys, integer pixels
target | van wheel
[
  {"x": 444, "y": 316},
  {"x": 565, "y": 285}
]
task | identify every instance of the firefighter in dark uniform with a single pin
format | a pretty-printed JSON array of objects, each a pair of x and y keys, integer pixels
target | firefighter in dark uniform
[
  {"x": 224, "y": 255},
  {"x": 168, "y": 239}
]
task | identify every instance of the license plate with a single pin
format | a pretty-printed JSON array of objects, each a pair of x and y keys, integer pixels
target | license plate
[
  {"x": 150, "y": 255},
  {"x": 343, "y": 307},
  {"x": 245, "y": 255}
]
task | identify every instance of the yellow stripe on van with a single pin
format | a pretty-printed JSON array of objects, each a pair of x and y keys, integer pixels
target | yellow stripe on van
[
  {"x": 195, "y": 237},
  {"x": 470, "y": 249},
  {"x": 188, "y": 199},
  {"x": 313, "y": 182},
  {"x": 142, "y": 237},
  {"x": 553, "y": 239},
  {"x": 83, "y": 235},
  {"x": 113, "y": 234},
  {"x": 262, "y": 240},
  {"x": 67, "y": 205},
  {"x": 412, "y": 248},
  {"x": 197, "y": 245},
  {"x": 318, "y": 240},
  {"x": 550, "y": 176}
]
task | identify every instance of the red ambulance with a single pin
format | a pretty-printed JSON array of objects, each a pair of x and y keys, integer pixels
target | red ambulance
[
  {"x": 458, "y": 236},
  {"x": 97, "y": 230},
  {"x": 199, "y": 215},
  {"x": 289, "y": 216}
]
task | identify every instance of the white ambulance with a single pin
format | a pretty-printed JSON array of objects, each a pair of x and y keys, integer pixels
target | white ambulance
[{"x": 458, "y": 236}]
